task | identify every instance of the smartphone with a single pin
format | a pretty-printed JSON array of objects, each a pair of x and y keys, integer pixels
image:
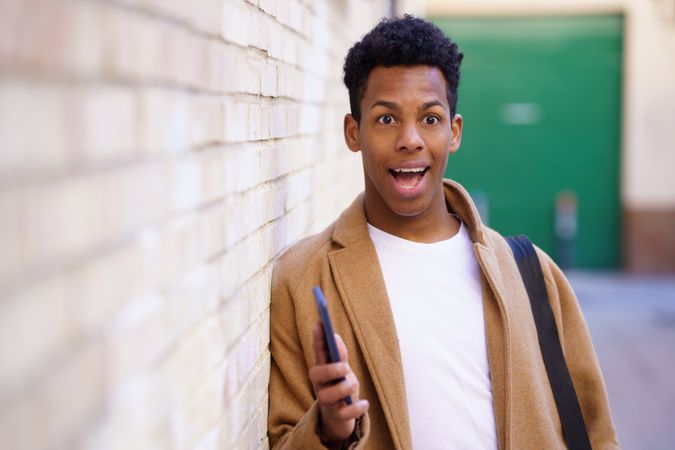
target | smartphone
[{"x": 333, "y": 353}]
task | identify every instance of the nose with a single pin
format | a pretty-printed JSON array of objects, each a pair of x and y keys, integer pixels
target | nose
[{"x": 409, "y": 138}]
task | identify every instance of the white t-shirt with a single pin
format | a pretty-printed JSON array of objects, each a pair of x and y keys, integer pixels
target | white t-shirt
[{"x": 435, "y": 295}]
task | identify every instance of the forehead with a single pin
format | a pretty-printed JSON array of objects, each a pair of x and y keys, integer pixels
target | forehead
[{"x": 405, "y": 83}]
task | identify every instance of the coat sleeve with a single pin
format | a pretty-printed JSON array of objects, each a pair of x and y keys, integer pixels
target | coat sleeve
[
  {"x": 293, "y": 410},
  {"x": 580, "y": 357}
]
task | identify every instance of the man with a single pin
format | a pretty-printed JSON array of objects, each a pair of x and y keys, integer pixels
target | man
[{"x": 438, "y": 345}]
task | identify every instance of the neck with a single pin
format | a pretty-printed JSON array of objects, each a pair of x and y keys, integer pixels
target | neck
[{"x": 432, "y": 225}]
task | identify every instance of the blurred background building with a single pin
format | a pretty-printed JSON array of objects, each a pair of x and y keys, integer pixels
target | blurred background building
[
  {"x": 571, "y": 102},
  {"x": 157, "y": 156}
]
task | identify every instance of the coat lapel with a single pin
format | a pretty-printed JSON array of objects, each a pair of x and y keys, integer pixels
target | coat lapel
[
  {"x": 498, "y": 339},
  {"x": 358, "y": 278}
]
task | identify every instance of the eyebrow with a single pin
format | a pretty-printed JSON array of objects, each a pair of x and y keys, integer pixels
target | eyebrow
[{"x": 395, "y": 107}]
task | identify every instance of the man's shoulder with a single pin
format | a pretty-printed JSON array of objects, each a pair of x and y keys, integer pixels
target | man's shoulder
[{"x": 553, "y": 275}]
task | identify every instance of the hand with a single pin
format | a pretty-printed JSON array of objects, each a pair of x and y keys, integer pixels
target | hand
[{"x": 337, "y": 418}]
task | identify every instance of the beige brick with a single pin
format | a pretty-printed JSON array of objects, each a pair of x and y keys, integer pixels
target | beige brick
[
  {"x": 136, "y": 336},
  {"x": 287, "y": 81},
  {"x": 246, "y": 68},
  {"x": 210, "y": 440},
  {"x": 242, "y": 169},
  {"x": 217, "y": 76},
  {"x": 206, "y": 121},
  {"x": 120, "y": 30},
  {"x": 151, "y": 47},
  {"x": 62, "y": 220},
  {"x": 276, "y": 46},
  {"x": 236, "y": 121},
  {"x": 244, "y": 259},
  {"x": 115, "y": 430},
  {"x": 184, "y": 181},
  {"x": 205, "y": 15},
  {"x": 255, "y": 430},
  {"x": 256, "y": 126},
  {"x": 212, "y": 169},
  {"x": 42, "y": 34},
  {"x": 84, "y": 49},
  {"x": 295, "y": 224},
  {"x": 258, "y": 32},
  {"x": 235, "y": 25},
  {"x": 194, "y": 296},
  {"x": 10, "y": 25},
  {"x": 269, "y": 6},
  {"x": 248, "y": 304},
  {"x": 102, "y": 286},
  {"x": 186, "y": 58},
  {"x": 33, "y": 329},
  {"x": 309, "y": 119},
  {"x": 291, "y": 15},
  {"x": 271, "y": 164},
  {"x": 202, "y": 15},
  {"x": 72, "y": 393},
  {"x": 265, "y": 444},
  {"x": 164, "y": 121},
  {"x": 26, "y": 108},
  {"x": 244, "y": 405},
  {"x": 289, "y": 47},
  {"x": 107, "y": 122},
  {"x": 196, "y": 354},
  {"x": 233, "y": 323},
  {"x": 21, "y": 425},
  {"x": 134, "y": 415},
  {"x": 299, "y": 188},
  {"x": 268, "y": 76},
  {"x": 278, "y": 128},
  {"x": 189, "y": 421},
  {"x": 10, "y": 237},
  {"x": 133, "y": 196}
]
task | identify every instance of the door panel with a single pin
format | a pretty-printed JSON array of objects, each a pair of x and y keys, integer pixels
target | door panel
[{"x": 541, "y": 101}]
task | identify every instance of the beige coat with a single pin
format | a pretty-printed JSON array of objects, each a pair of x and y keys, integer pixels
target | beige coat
[{"x": 342, "y": 259}]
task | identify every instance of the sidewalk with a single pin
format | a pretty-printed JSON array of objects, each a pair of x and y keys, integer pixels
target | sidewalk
[{"x": 632, "y": 322}]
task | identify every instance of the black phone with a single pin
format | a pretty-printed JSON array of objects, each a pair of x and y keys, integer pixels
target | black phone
[{"x": 333, "y": 353}]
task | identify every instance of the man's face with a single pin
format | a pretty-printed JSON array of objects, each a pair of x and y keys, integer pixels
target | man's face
[{"x": 404, "y": 136}]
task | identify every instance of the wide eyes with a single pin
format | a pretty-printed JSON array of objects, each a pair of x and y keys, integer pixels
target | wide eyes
[
  {"x": 429, "y": 119},
  {"x": 385, "y": 119}
]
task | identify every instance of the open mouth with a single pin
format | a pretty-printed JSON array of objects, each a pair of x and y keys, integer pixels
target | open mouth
[{"x": 408, "y": 178}]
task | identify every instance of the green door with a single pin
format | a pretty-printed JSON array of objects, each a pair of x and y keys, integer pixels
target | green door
[{"x": 541, "y": 101}]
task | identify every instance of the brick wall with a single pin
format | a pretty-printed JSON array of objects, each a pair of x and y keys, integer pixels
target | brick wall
[{"x": 155, "y": 157}]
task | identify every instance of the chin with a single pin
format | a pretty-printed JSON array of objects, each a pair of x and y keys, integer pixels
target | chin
[{"x": 412, "y": 209}]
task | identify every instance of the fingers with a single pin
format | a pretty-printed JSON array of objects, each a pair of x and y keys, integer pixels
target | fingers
[
  {"x": 330, "y": 394},
  {"x": 326, "y": 374},
  {"x": 333, "y": 382},
  {"x": 353, "y": 411}
]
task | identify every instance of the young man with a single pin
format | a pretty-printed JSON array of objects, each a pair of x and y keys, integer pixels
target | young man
[{"x": 438, "y": 345}]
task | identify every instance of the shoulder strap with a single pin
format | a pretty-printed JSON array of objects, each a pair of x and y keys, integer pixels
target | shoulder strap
[{"x": 573, "y": 426}]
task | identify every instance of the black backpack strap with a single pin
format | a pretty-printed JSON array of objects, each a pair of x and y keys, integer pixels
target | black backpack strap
[{"x": 573, "y": 426}]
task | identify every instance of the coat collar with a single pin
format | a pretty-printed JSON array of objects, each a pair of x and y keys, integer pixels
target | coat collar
[
  {"x": 352, "y": 226},
  {"x": 358, "y": 277}
]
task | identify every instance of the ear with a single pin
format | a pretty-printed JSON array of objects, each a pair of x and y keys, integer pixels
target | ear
[
  {"x": 456, "y": 127},
  {"x": 351, "y": 131}
]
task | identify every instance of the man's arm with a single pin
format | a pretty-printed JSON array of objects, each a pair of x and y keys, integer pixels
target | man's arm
[
  {"x": 295, "y": 413},
  {"x": 580, "y": 357}
]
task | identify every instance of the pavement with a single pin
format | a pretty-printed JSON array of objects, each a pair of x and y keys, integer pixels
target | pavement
[{"x": 632, "y": 323}]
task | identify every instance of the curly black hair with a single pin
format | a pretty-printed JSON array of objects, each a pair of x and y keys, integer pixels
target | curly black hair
[{"x": 401, "y": 41}]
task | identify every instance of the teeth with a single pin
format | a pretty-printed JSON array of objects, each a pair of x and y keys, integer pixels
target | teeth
[{"x": 416, "y": 169}]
